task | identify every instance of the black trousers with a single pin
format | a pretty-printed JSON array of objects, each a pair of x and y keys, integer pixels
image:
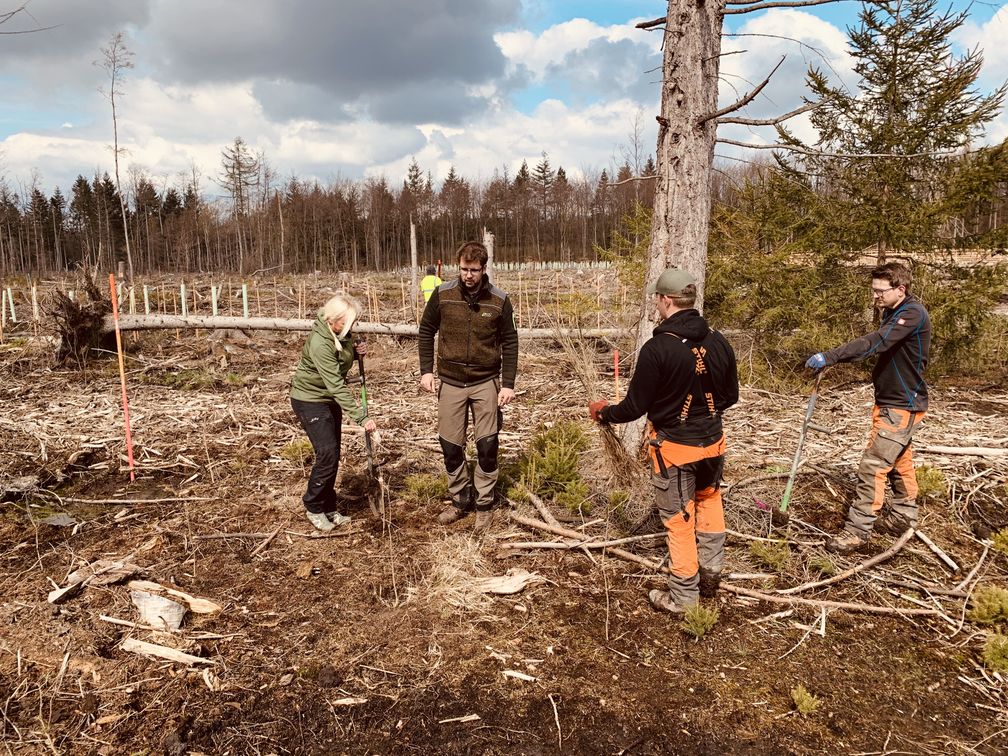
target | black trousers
[{"x": 321, "y": 421}]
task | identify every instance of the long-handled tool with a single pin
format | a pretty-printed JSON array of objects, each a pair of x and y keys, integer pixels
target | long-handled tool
[
  {"x": 373, "y": 469},
  {"x": 780, "y": 515}
]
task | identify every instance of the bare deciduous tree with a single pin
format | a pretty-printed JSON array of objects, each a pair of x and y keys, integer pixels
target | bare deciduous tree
[{"x": 116, "y": 60}]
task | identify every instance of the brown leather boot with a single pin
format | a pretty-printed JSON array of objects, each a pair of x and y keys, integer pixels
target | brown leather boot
[
  {"x": 662, "y": 601},
  {"x": 709, "y": 582},
  {"x": 845, "y": 542},
  {"x": 484, "y": 518},
  {"x": 451, "y": 513},
  {"x": 892, "y": 523}
]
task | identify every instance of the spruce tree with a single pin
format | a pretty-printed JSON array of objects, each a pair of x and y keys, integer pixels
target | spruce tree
[{"x": 888, "y": 155}]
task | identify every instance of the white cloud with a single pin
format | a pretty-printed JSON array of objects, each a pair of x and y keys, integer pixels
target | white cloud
[
  {"x": 578, "y": 139},
  {"x": 167, "y": 127},
  {"x": 804, "y": 41},
  {"x": 990, "y": 39},
  {"x": 538, "y": 52}
]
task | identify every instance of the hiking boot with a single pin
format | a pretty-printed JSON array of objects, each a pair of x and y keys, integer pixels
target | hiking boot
[
  {"x": 845, "y": 542},
  {"x": 451, "y": 513},
  {"x": 320, "y": 521},
  {"x": 337, "y": 519},
  {"x": 662, "y": 601},
  {"x": 892, "y": 523},
  {"x": 709, "y": 582},
  {"x": 484, "y": 518}
]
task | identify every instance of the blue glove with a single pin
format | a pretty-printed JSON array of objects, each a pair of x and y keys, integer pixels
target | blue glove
[{"x": 816, "y": 361}]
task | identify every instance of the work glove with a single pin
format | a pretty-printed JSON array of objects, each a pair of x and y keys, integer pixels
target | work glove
[
  {"x": 816, "y": 361},
  {"x": 595, "y": 409}
]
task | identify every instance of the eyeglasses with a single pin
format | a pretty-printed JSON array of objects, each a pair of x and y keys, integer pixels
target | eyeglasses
[
  {"x": 471, "y": 271},
  {"x": 880, "y": 292}
]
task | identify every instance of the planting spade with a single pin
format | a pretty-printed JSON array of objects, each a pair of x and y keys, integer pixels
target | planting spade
[
  {"x": 375, "y": 494},
  {"x": 780, "y": 517}
]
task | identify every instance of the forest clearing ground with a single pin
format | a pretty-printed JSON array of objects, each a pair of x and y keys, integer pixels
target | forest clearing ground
[{"x": 374, "y": 640}]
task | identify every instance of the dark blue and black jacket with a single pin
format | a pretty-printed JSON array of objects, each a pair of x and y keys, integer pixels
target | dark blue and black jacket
[{"x": 901, "y": 345}]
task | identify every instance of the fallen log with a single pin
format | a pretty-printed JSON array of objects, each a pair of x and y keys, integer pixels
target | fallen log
[
  {"x": 966, "y": 451},
  {"x": 162, "y": 652},
  {"x": 888, "y": 554},
  {"x": 949, "y": 561},
  {"x": 867, "y": 608},
  {"x": 577, "y": 536},
  {"x": 216, "y": 322}
]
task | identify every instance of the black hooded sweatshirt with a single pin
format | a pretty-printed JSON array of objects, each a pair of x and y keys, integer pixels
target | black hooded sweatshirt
[{"x": 666, "y": 376}]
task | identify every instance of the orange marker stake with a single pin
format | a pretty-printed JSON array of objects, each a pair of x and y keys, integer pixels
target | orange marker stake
[
  {"x": 122, "y": 375},
  {"x": 615, "y": 363}
]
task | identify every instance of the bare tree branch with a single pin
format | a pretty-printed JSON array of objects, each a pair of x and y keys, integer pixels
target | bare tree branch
[
  {"x": 816, "y": 153},
  {"x": 8, "y": 15},
  {"x": 770, "y": 121},
  {"x": 777, "y": 4},
  {"x": 725, "y": 54},
  {"x": 632, "y": 178},
  {"x": 652, "y": 23},
  {"x": 799, "y": 42},
  {"x": 741, "y": 103},
  {"x": 5, "y": 17}
]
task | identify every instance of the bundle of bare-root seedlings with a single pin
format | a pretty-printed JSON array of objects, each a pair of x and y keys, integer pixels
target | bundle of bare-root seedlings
[{"x": 621, "y": 468}]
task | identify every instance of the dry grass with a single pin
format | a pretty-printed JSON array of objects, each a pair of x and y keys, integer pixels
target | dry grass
[{"x": 455, "y": 561}]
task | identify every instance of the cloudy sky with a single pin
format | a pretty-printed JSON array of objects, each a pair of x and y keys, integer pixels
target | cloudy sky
[{"x": 347, "y": 88}]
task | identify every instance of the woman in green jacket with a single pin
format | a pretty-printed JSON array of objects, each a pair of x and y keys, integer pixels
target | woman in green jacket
[{"x": 319, "y": 396}]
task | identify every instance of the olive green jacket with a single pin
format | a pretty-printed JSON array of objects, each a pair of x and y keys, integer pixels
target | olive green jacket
[{"x": 321, "y": 372}]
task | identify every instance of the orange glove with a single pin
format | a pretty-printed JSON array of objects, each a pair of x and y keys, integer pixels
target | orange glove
[{"x": 595, "y": 409}]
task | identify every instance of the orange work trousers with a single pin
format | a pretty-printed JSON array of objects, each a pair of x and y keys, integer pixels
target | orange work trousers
[
  {"x": 887, "y": 460},
  {"x": 690, "y": 506}
]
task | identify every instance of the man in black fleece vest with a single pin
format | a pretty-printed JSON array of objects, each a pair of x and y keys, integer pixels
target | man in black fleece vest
[
  {"x": 685, "y": 377},
  {"x": 900, "y": 346},
  {"x": 477, "y": 361}
]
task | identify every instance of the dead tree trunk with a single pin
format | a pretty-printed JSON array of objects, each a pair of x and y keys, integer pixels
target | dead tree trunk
[
  {"x": 488, "y": 242},
  {"x": 686, "y": 136},
  {"x": 687, "y": 130}
]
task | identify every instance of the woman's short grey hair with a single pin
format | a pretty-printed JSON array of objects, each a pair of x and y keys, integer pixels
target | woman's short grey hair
[{"x": 339, "y": 306}]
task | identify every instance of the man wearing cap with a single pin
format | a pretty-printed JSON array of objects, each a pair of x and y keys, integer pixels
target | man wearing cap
[
  {"x": 477, "y": 360},
  {"x": 900, "y": 346},
  {"x": 685, "y": 377}
]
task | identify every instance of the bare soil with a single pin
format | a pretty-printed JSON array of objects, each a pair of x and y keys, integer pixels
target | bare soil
[{"x": 369, "y": 641}]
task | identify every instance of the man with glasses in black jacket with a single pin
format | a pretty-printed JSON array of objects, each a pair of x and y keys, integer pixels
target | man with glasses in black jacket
[{"x": 900, "y": 346}]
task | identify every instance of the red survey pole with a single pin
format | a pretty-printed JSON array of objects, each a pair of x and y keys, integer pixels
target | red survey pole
[
  {"x": 122, "y": 374},
  {"x": 615, "y": 364}
]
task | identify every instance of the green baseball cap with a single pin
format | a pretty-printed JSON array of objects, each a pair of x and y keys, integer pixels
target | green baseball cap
[{"x": 672, "y": 282}]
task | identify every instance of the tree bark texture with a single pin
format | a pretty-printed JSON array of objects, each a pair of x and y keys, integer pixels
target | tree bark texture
[
  {"x": 685, "y": 149},
  {"x": 685, "y": 152}
]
